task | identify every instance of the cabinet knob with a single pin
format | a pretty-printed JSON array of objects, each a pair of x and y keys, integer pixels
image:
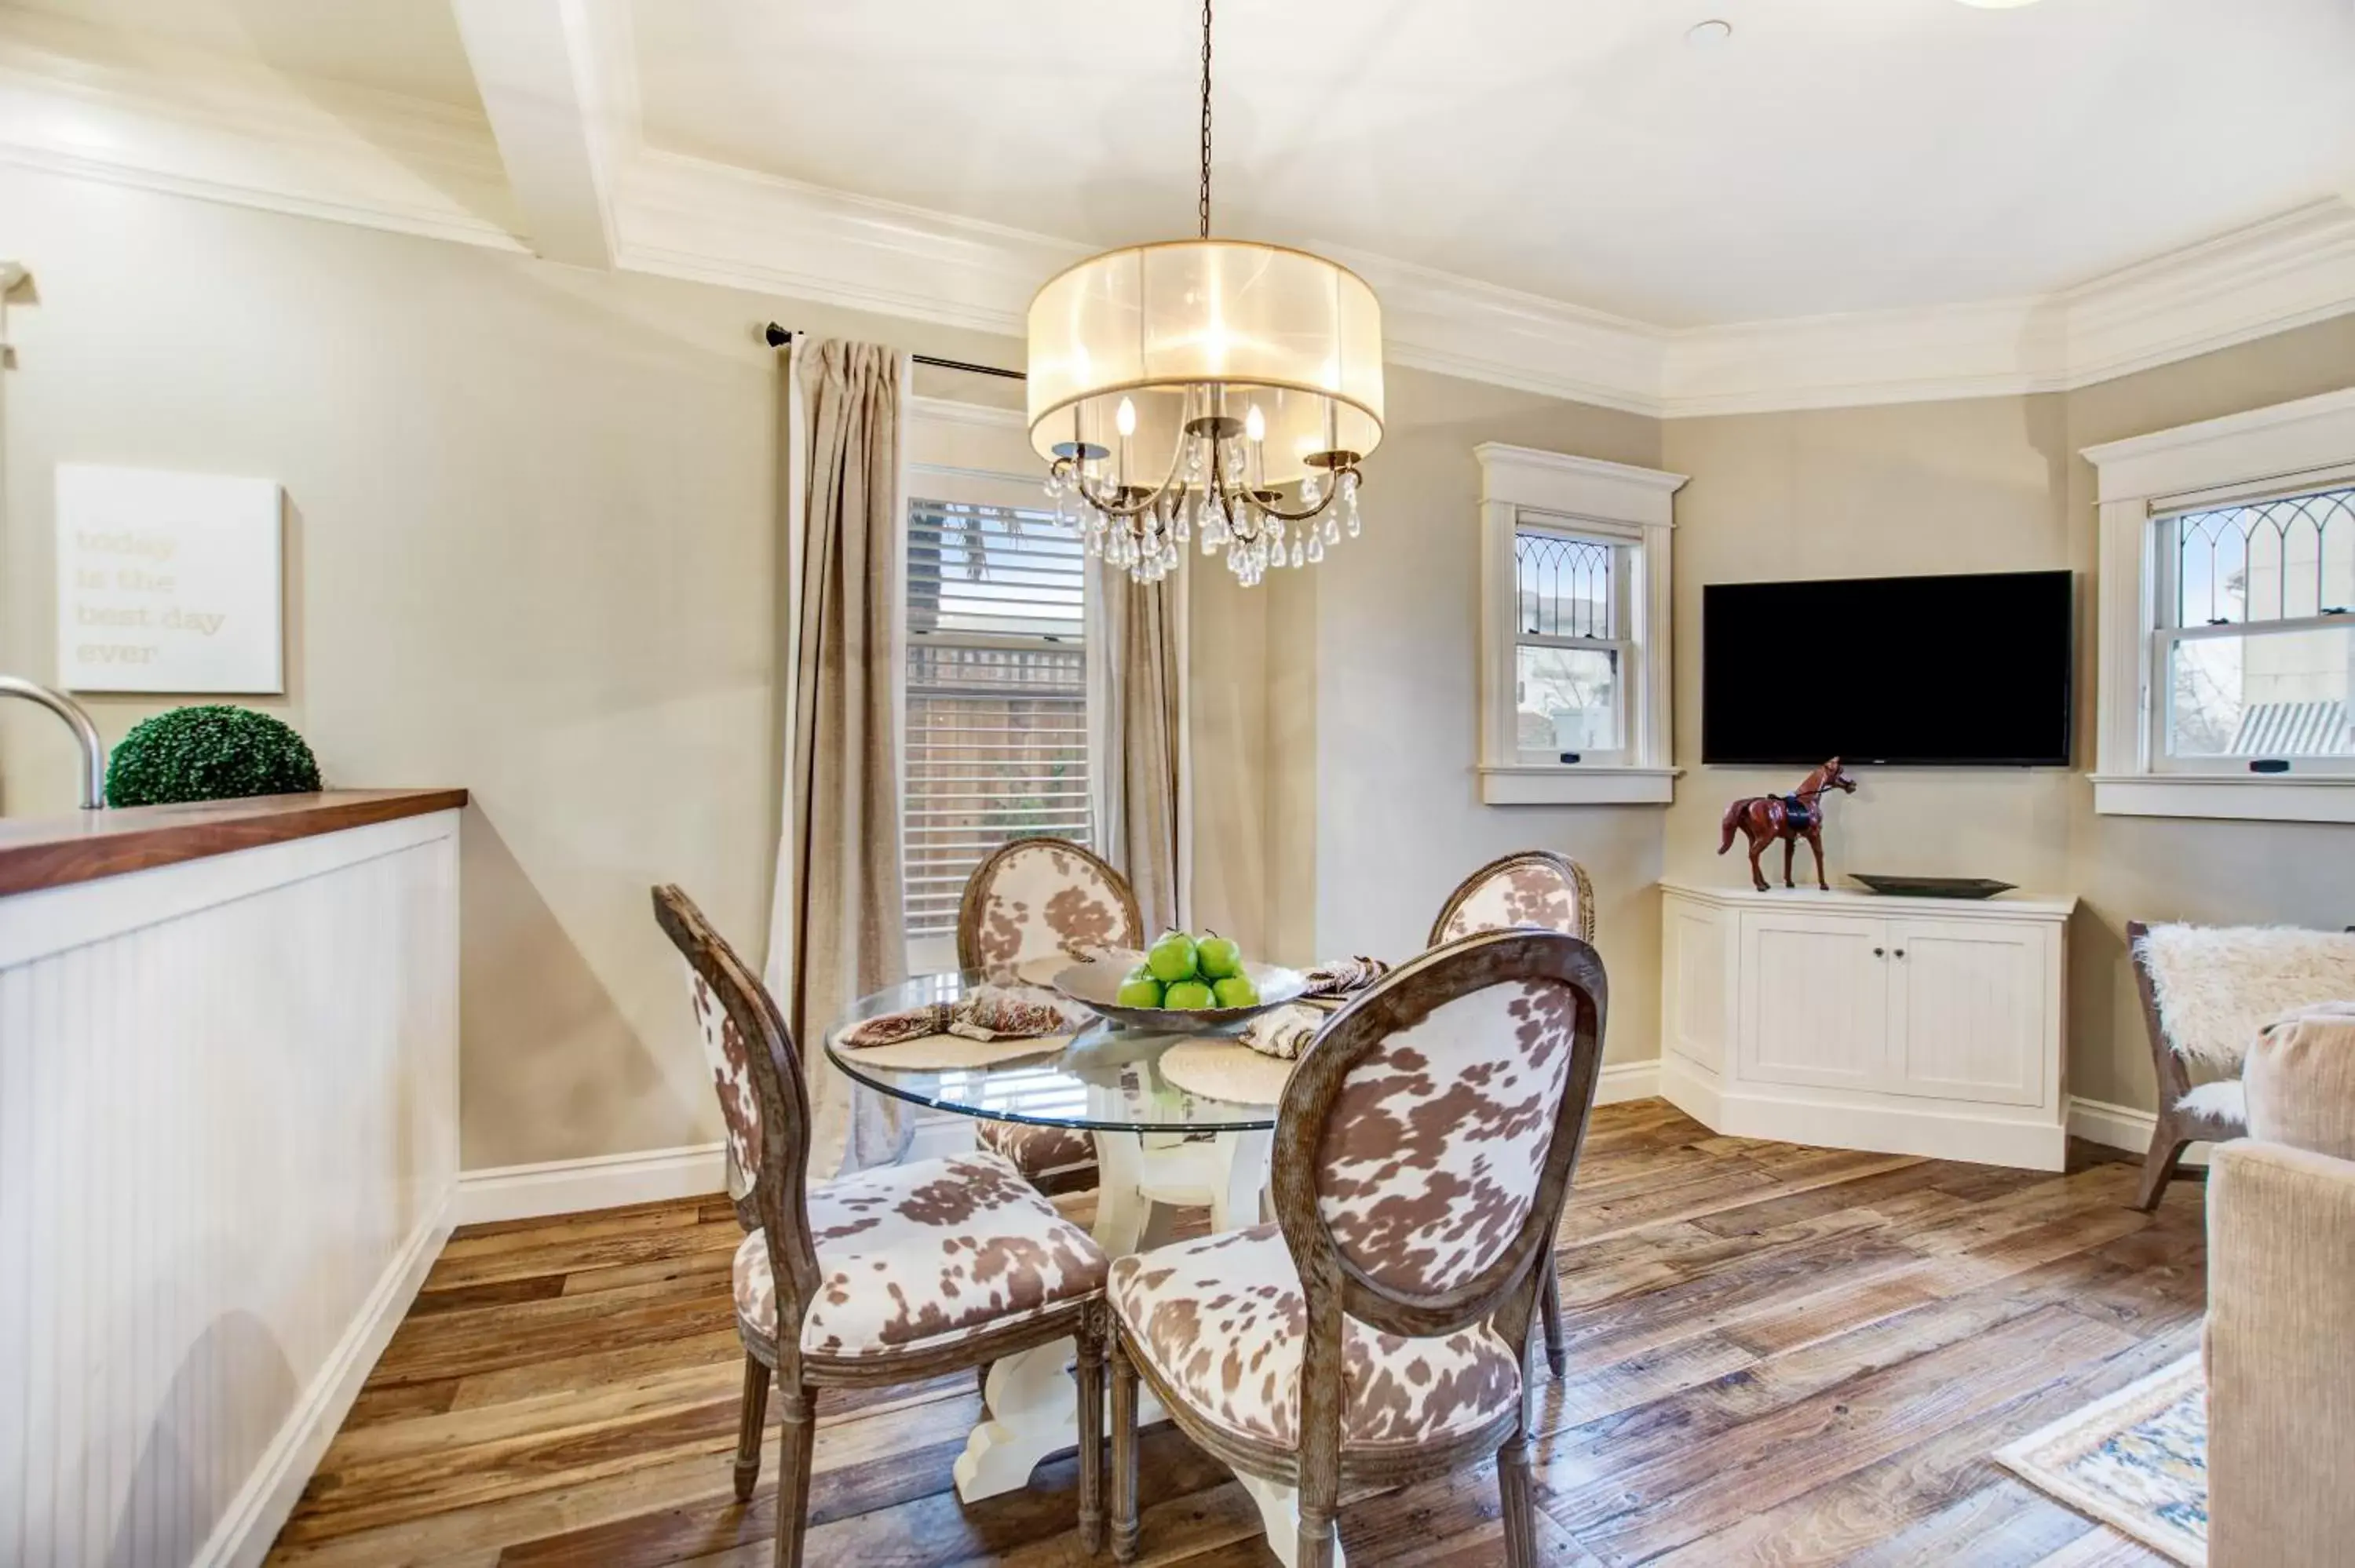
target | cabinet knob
[
  {"x": 1900, "y": 952},
  {"x": 1879, "y": 952}
]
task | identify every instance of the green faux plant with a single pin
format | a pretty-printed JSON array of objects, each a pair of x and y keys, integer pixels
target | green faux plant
[{"x": 214, "y": 752}]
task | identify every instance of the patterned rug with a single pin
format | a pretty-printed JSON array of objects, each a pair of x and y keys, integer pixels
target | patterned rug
[{"x": 2137, "y": 1461}]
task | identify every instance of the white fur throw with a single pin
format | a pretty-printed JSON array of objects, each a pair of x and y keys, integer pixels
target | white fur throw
[{"x": 2219, "y": 985}]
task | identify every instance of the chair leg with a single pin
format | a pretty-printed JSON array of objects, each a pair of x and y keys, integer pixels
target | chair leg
[
  {"x": 1557, "y": 1358},
  {"x": 1315, "y": 1549},
  {"x": 796, "y": 1432},
  {"x": 1092, "y": 1416},
  {"x": 2166, "y": 1146},
  {"x": 753, "y": 1418},
  {"x": 1124, "y": 1452},
  {"x": 1518, "y": 1502}
]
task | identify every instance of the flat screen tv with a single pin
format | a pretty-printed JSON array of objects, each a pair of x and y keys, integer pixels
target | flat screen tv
[{"x": 1945, "y": 672}]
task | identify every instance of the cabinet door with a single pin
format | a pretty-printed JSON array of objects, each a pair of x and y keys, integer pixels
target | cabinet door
[
  {"x": 1695, "y": 967},
  {"x": 1815, "y": 999},
  {"x": 1967, "y": 1013}
]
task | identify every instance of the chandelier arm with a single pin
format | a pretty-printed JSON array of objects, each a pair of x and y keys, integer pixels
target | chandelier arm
[
  {"x": 1115, "y": 508},
  {"x": 1304, "y": 515}
]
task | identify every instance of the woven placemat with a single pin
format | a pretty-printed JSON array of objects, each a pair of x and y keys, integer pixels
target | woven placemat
[
  {"x": 947, "y": 1053},
  {"x": 1222, "y": 1070}
]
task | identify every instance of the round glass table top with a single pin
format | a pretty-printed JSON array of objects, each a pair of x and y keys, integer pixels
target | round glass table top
[{"x": 1105, "y": 1078}]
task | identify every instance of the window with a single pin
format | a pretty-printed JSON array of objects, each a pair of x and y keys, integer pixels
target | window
[
  {"x": 1569, "y": 698},
  {"x": 1574, "y": 651},
  {"x": 997, "y": 697},
  {"x": 2256, "y": 635},
  {"x": 2228, "y": 616}
]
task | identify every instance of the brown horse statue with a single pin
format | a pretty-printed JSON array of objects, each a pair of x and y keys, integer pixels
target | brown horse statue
[{"x": 1799, "y": 814}]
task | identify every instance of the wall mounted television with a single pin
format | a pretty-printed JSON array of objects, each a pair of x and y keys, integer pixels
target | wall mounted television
[{"x": 1972, "y": 671}]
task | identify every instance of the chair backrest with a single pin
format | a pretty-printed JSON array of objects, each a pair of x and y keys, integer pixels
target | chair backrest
[
  {"x": 1042, "y": 898},
  {"x": 1530, "y": 887},
  {"x": 763, "y": 1098},
  {"x": 1425, "y": 1146},
  {"x": 2210, "y": 989}
]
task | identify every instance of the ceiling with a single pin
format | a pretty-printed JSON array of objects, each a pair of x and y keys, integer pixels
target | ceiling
[{"x": 1833, "y": 156}]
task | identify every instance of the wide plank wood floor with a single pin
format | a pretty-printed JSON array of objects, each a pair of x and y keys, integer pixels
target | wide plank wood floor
[{"x": 1778, "y": 1355}]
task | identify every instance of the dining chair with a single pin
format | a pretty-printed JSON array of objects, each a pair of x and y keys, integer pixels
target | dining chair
[
  {"x": 1527, "y": 888},
  {"x": 1030, "y": 901},
  {"x": 1378, "y": 1333},
  {"x": 891, "y": 1275}
]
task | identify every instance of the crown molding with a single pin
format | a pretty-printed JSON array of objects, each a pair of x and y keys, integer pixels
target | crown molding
[{"x": 96, "y": 103}]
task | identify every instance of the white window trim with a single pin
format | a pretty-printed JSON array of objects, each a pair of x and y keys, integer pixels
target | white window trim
[
  {"x": 2307, "y": 443},
  {"x": 1589, "y": 497}
]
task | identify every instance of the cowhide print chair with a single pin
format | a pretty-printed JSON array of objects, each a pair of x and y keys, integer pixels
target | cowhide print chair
[
  {"x": 1530, "y": 887},
  {"x": 1378, "y": 1334},
  {"x": 892, "y": 1275},
  {"x": 1033, "y": 903}
]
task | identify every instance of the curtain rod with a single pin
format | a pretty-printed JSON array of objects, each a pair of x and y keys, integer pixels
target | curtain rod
[{"x": 779, "y": 336}]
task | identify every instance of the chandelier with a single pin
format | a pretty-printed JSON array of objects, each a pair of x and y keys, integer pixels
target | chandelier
[{"x": 1210, "y": 392}]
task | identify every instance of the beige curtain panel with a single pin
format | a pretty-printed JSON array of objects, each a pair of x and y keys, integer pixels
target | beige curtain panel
[
  {"x": 837, "y": 931},
  {"x": 1138, "y": 753}
]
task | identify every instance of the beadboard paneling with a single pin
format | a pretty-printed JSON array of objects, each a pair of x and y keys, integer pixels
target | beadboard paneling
[{"x": 228, "y": 1130}]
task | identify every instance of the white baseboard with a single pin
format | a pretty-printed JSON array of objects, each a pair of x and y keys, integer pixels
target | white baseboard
[
  {"x": 2120, "y": 1127},
  {"x": 1628, "y": 1081},
  {"x": 259, "y": 1510},
  {"x": 1927, "y": 1129},
  {"x": 599, "y": 1182}
]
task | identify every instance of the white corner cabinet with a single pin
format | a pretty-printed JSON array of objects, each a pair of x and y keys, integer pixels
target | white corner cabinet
[{"x": 1929, "y": 1026}]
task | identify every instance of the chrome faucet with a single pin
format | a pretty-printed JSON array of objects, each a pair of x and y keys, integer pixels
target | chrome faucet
[{"x": 94, "y": 754}]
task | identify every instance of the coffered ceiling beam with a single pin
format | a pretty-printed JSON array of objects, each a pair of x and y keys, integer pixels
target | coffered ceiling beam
[{"x": 554, "y": 79}]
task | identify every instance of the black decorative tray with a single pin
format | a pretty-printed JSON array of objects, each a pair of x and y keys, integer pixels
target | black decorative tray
[{"x": 1934, "y": 887}]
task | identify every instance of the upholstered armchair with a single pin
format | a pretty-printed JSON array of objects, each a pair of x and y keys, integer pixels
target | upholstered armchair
[
  {"x": 892, "y": 1275},
  {"x": 2208, "y": 992},
  {"x": 1378, "y": 1333},
  {"x": 2281, "y": 1293},
  {"x": 1529, "y": 889},
  {"x": 1031, "y": 908}
]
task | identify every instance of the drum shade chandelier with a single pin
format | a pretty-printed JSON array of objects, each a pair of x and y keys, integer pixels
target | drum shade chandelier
[{"x": 1211, "y": 391}]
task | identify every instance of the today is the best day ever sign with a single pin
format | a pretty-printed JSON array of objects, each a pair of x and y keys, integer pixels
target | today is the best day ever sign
[{"x": 168, "y": 582}]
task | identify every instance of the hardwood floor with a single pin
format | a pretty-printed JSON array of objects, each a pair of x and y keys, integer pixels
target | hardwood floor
[{"x": 1778, "y": 1355}]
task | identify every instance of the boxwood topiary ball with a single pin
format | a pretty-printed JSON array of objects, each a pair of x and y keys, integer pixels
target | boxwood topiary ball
[{"x": 215, "y": 753}]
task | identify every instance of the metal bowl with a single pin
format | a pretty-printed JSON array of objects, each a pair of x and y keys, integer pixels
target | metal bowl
[{"x": 1095, "y": 982}]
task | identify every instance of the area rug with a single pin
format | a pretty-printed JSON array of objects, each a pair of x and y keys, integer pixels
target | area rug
[{"x": 2137, "y": 1461}]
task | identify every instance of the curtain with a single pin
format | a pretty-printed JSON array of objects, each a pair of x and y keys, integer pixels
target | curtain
[
  {"x": 836, "y": 930},
  {"x": 1136, "y": 642}
]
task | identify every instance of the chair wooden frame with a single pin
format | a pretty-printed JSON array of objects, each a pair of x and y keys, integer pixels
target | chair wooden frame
[
  {"x": 968, "y": 926},
  {"x": 1504, "y": 1293},
  {"x": 1549, "y": 1304},
  {"x": 2177, "y": 1128},
  {"x": 777, "y": 1204}
]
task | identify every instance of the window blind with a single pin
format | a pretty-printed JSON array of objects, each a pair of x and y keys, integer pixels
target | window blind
[{"x": 998, "y": 701}]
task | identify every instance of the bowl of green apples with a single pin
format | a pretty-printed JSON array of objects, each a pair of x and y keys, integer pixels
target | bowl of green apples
[{"x": 1183, "y": 983}]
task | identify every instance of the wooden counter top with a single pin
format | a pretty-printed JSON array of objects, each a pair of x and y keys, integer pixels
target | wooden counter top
[{"x": 50, "y": 852}]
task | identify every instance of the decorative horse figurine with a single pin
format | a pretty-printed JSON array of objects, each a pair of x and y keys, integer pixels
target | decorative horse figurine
[{"x": 1800, "y": 814}]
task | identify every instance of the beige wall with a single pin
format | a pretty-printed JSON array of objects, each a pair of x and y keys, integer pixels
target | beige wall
[
  {"x": 1395, "y": 819},
  {"x": 1991, "y": 484},
  {"x": 530, "y": 552}
]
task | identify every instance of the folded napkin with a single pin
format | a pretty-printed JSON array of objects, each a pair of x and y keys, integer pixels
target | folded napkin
[
  {"x": 1283, "y": 1032},
  {"x": 1339, "y": 976},
  {"x": 985, "y": 1013}
]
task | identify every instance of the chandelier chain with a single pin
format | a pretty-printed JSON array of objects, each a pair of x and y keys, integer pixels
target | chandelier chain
[{"x": 1206, "y": 120}]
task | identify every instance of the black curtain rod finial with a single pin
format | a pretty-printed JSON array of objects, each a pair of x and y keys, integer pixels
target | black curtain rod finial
[{"x": 777, "y": 336}]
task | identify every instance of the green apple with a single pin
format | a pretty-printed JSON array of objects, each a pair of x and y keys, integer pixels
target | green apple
[
  {"x": 1219, "y": 956},
  {"x": 1187, "y": 995},
  {"x": 1139, "y": 990},
  {"x": 1172, "y": 959},
  {"x": 1235, "y": 991}
]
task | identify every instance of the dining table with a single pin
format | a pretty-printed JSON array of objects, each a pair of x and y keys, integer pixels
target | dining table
[{"x": 1159, "y": 1146}]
